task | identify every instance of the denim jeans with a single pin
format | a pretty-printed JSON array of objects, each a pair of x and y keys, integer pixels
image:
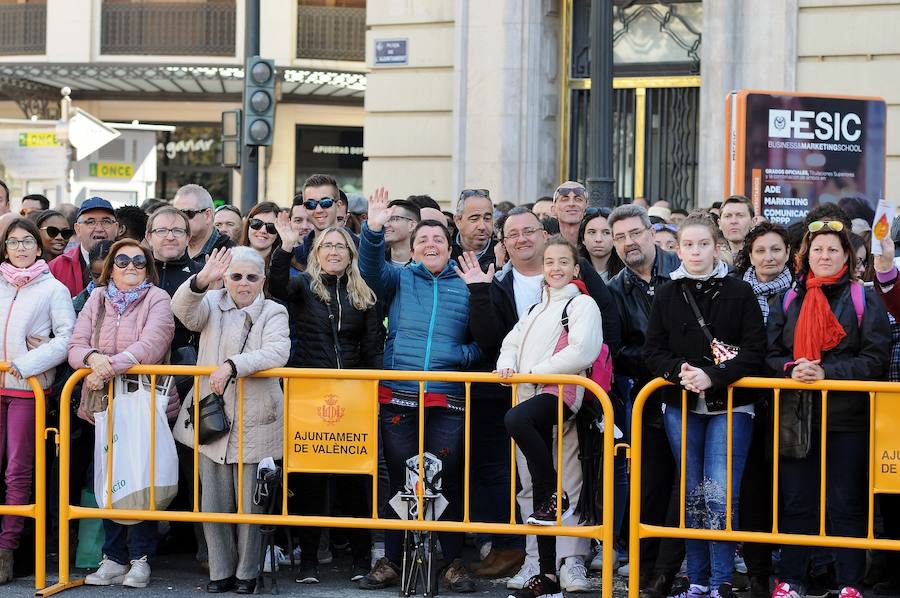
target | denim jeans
[
  {"x": 125, "y": 543},
  {"x": 709, "y": 563},
  {"x": 444, "y": 439},
  {"x": 846, "y": 502}
]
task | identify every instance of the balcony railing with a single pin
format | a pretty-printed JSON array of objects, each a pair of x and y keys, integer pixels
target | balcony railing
[
  {"x": 331, "y": 32},
  {"x": 169, "y": 28},
  {"x": 23, "y": 29}
]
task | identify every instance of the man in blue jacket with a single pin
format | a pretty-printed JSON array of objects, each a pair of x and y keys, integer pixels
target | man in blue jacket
[{"x": 427, "y": 306}]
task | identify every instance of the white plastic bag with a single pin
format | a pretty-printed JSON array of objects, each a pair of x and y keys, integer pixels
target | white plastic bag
[{"x": 131, "y": 449}]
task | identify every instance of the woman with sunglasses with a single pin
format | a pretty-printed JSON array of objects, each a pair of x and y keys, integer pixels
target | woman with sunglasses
[
  {"x": 33, "y": 305},
  {"x": 595, "y": 243},
  {"x": 126, "y": 321},
  {"x": 830, "y": 327},
  {"x": 260, "y": 232},
  {"x": 333, "y": 311},
  {"x": 55, "y": 233},
  {"x": 245, "y": 333}
]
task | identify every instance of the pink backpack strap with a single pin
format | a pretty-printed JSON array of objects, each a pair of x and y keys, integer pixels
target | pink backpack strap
[{"x": 857, "y": 294}]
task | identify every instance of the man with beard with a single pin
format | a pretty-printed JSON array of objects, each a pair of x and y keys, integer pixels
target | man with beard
[
  {"x": 646, "y": 267},
  {"x": 320, "y": 196}
]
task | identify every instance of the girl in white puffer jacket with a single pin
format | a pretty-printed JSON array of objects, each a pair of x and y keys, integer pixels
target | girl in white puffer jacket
[
  {"x": 33, "y": 306},
  {"x": 540, "y": 344}
]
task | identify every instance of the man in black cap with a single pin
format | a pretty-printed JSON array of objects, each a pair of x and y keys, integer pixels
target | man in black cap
[{"x": 96, "y": 222}]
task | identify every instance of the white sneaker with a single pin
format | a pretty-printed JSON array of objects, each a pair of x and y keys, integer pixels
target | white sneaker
[
  {"x": 279, "y": 556},
  {"x": 573, "y": 575},
  {"x": 597, "y": 561},
  {"x": 529, "y": 569},
  {"x": 139, "y": 574},
  {"x": 109, "y": 573}
]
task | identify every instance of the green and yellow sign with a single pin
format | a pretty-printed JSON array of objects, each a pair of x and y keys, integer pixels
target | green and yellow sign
[
  {"x": 111, "y": 170},
  {"x": 44, "y": 139}
]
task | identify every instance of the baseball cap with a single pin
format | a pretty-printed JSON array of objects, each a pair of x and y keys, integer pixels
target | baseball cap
[{"x": 95, "y": 203}]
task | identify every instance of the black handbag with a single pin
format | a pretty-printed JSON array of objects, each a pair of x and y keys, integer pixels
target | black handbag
[
  {"x": 795, "y": 424},
  {"x": 212, "y": 421}
]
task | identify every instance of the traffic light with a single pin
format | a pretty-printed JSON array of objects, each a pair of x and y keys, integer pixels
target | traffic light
[
  {"x": 231, "y": 138},
  {"x": 259, "y": 101}
]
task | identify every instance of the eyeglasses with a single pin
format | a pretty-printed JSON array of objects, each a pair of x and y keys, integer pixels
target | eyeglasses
[
  {"x": 26, "y": 243},
  {"x": 632, "y": 235},
  {"x": 579, "y": 191},
  {"x": 227, "y": 208},
  {"x": 835, "y": 225},
  {"x": 474, "y": 193},
  {"x": 165, "y": 232},
  {"x": 191, "y": 213},
  {"x": 334, "y": 246},
  {"x": 516, "y": 235},
  {"x": 256, "y": 224},
  {"x": 238, "y": 277},
  {"x": 312, "y": 204},
  {"x": 53, "y": 232},
  {"x": 122, "y": 261},
  {"x": 660, "y": 226},
  {"x": 398, "y": 218},
  {"x": 93, "y": 222}
]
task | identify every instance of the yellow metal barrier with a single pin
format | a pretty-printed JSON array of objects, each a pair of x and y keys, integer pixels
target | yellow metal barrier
[
  {"x": 38, "y": 509},
  {"x": 638, "y": 530},
  {"x": 603, "y": 532}
]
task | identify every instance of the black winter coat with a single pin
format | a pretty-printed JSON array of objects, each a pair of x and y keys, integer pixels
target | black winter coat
[
  {"x": 864, "y": 354},
  {"x": 172, "y": 275},
  {"x": 359, "y": 334},
  {"x": 674, "y": 337}
]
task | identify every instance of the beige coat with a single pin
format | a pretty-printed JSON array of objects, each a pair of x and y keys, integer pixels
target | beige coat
[{"x": 223, "y": 327}]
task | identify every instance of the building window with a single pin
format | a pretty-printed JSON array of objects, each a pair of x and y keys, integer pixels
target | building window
[
  {"x": 151, "y": 27},
  {"x": 192, "y": 154},
  {"x": 331, "y": 29},
  {"x": 23, "y": 27},
  {"x": 337, "y": 151}
]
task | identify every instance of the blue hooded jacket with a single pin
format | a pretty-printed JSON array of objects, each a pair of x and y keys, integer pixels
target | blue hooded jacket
[{"x": 428, "y": 317}]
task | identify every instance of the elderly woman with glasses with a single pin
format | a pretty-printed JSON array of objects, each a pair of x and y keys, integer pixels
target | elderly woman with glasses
[
  {"x": 244, "y": 333},
  {"x": 829, "y": 327},
  {"x": 126, "y": 321},
  {"x": 33, "y": 305}
]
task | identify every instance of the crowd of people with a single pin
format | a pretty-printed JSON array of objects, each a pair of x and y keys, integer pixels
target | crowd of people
[{"x": 700, "y": 299}]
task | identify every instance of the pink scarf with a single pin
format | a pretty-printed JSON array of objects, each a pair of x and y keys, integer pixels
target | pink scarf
[{"x": 19, "y": 277}]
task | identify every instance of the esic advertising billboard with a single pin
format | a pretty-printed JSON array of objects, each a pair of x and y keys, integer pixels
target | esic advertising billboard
[{"x": 789, "y": 152}]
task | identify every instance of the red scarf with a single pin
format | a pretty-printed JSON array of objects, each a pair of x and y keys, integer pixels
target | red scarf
[{"x": 817, "y": 329}]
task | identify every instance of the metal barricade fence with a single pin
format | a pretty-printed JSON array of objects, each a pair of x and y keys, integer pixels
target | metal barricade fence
[
  {"x": 38, "y": 509},
  {"x": 360, "y": 397},
  {"x": 881, "y": 442}
]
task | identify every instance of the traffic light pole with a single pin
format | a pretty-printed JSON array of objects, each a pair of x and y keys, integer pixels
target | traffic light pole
[
  {"x": 250, "y": 154},
  {"x": 600, "y": 180}
]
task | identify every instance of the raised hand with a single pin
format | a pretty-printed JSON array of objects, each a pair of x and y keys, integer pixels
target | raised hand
[
  {"x": 379, "y": 213},
  {"x": 214, "y": 269},
  {"x": 470, "y": 270},
  {"x": 885, "y": 261},
  {"x": 289, "y": 238}
]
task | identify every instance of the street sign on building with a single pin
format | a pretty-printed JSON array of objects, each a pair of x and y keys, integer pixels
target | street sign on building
[
  {"x": 391, "y": 52},
  {"x": 789, "y": 152}
]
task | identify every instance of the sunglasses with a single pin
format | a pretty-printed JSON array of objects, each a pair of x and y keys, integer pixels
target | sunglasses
[
  {"x": 579, "y": 191},
  {"x": 256, "y": 224},
  {"x": 834, "y": 225},
  {"x": 191, "y": 213},
  {"x": 122, "y": 261},
  {"x": 474, "y": 193},
  {"x": 312, "y": 204},
  {"x": 227, "y": 208},
  {"x": 660, "y": 226},
  {"x": 238, "y": 277},
  {"x": 53, "y": 232}
]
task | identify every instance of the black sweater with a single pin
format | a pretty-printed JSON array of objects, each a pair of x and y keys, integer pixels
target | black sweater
[
  {"x": 360, "y": 338},
  {"x": 674, "y": 337}
]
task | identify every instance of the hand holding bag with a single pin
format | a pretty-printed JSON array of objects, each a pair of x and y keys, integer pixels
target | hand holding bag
[
  {"x": 212, "y": 421},
  {"x": 94, "y": 401}
]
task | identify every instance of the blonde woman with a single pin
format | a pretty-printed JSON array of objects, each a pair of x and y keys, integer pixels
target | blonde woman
[{"x": 333, "y": 312}]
